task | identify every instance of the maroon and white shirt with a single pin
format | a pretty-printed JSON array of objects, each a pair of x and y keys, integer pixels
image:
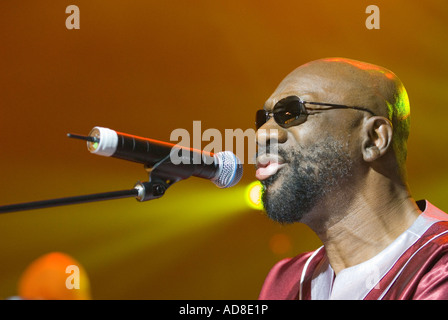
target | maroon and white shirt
[{"x": 413, "y": 266}]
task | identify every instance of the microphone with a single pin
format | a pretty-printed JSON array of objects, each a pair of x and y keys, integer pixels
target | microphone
[{"x": 224, "y": 169}]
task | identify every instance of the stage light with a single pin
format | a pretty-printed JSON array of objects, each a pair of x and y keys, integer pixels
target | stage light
[
  {"x": 253, "y": 195},
  {"x": 50, "y": 277}
]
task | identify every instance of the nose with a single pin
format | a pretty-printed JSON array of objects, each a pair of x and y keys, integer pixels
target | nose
[{"x": 270, "y": 133}]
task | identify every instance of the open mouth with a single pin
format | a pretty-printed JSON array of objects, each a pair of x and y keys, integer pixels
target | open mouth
[{"x": 267, "y": 166}]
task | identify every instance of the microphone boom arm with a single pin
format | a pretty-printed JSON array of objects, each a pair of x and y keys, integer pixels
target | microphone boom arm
[{"x": 155, "y": 188}]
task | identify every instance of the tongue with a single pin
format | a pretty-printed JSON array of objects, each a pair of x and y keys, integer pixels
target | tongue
[{"x": 266, "y": 172}]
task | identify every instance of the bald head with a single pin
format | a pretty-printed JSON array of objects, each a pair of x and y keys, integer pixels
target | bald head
[{"x": 355, "y": 83}]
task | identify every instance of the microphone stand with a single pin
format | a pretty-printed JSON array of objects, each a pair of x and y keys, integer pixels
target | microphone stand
[{"x": 160, "y": 179}]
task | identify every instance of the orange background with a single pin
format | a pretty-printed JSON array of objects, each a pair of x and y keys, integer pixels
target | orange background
[{"x": 149, "y": 67}]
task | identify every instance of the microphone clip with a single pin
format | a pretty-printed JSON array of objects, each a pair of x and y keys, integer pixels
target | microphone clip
[{"x": 161, "y": 177}]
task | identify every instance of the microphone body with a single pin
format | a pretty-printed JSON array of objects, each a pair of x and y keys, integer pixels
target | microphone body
[{"x": 222, "y": 168}]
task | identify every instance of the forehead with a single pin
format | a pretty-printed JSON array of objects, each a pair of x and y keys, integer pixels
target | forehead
[{"x": 308, "y": 87}]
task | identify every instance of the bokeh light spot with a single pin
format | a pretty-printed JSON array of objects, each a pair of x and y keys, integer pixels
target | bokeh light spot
[
  {"x": 280, "y": 243},
  {"x": 253, "y": 195}
]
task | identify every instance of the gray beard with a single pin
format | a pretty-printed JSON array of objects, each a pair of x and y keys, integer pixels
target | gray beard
[{"x": 305, "y": 180}]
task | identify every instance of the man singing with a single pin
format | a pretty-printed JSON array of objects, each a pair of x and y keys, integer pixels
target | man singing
[{"x": 339, "y": 129}]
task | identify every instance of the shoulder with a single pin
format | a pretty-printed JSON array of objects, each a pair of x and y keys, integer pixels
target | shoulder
[
  {"x": 432, "y": 256},
  {"x": 433, "y": 285},
  {"x": 421, "y": 272},
  {"x": 283, "y": 280},
  {"x": 435, "y": 238}
]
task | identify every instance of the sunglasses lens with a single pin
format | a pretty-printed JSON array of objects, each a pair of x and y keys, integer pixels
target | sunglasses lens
[{"x": 288, "y": 113}]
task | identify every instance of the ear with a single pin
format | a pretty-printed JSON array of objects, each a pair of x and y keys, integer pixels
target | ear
[{"x": 377, "y": 138}]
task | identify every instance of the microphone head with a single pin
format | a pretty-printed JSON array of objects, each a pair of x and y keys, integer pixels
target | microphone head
[{"x": 230, "y": 169}]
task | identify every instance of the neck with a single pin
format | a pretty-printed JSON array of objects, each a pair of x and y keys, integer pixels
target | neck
[{"x": 359, "y": 227}]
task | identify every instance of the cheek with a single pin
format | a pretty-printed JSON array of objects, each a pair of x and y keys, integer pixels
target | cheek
[
  {"x": 303, "y": 135},
  {"x": 314, "y": 135}
]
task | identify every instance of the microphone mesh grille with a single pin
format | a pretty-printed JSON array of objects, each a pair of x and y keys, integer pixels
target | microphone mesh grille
[{"x": 231, "y": 169}]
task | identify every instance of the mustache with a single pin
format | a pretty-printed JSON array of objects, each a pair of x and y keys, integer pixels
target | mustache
[{"x": 270, "y": 151}]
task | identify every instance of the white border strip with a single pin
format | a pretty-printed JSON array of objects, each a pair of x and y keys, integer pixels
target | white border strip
[{"x": 302, "y": 277}]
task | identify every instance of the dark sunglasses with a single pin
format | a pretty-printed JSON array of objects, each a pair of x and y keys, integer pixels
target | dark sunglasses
[{"x": 291, "y": 111}]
